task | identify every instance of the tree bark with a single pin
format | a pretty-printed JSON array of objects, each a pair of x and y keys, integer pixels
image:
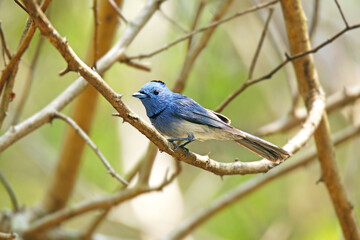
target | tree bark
[
  {"x": 308, "y": 83},
  {"x": 83, "y": 112}
]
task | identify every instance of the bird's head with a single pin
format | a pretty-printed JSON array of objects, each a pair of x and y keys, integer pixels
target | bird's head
[{"x": 155, "y": 96}]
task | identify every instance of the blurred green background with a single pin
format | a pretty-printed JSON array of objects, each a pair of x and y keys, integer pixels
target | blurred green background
[{"x": 292, "y": 207}]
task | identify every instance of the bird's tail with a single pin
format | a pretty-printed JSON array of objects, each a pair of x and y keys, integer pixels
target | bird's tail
[{"x": 259, "y": 146}]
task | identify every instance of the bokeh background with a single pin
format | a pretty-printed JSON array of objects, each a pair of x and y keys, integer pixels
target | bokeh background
[{"x": 292, "y": 207}]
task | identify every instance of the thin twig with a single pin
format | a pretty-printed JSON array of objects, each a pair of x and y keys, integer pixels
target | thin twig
[
  {"x": 261, "y": 41},
  {"x": 95, "y": 224},
  {"x": 28, "y": 83},
  {"x": 196, "y": 19},
  {"x": 118, "y": 11},
  {"x": 211, "y": 25},
  {"x": 243, "y": 190},
  {"x": 3, "y": 43},
  {"x": 91, "y": 144},
  {"x": 96, "y": 30},
  {"x": 288, "y": 59},
  {"x": 333, "y": 102},
  {"x": 314, "y": 18},
  {"x": 173, "y": 22},
  {"x": 11, "y": 192},
  {"x": 51, "y": 220},
  {"x": 342, "y": 14},
  {"x": 20, "y": 5},
  {"x": 195, "y": 50}
]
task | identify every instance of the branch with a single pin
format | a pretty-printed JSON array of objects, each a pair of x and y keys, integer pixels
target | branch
[
  {"x": 54, "y": 219},
  {"x": 118, "y": 11},
  {"x": 11, "y": 192},
  {"x": 308, "y": 83},
  {"x": 44, "y": 116},
  {"x": 145, "y": 128},
  {"x": 258, "y": 48},
  {"x": 212, "y": 25},
  {"x": 91, "y": 144},
  {"x": 282, "y": 64},
  {"x": 3, "y": 43},
  {"x": 195, "y": 50},
  {"x": 250, "y": 186},
  {"x": 333, "y": 102},
  {"x": 7, "y": 236}
]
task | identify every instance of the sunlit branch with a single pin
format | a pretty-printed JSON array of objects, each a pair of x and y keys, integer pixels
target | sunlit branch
[
  {"x": 91, "y": 144},
  {"x": 235, "y": 195}
]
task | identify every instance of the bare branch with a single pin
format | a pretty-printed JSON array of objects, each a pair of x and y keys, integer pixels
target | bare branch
[
  {"x": 342, "y": 14},
  {"x": 91, "y": 144},
  {"x": 261, "y": 41},
  {"x": 314, "y": 18},
  {"x": 235, "y": 195},
  {"x": 195, "y": 50},
  {"x": 282, "y": 64},
  {"x": 3, "y": 43},
  {"x": 196, "y": 19},
  {"x": 11, "y": 193},
  {"x": 118, "y": 11},
  {"x": 28, "y": 82},
  {"x": 96, "y": 30},
  {"x": 333, "y": 102},
  {"x": 173, "y": 22},
  {"x": 308, "y": 82},
  {"x": 44, "y": 116},
  {"x": 317, "y": 108},
  {"x": 212, "y": 25},
  {"x": 7, "y": 236}
]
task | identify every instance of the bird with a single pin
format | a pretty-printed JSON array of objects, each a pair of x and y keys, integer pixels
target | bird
[{"x": 180, "y": 118}]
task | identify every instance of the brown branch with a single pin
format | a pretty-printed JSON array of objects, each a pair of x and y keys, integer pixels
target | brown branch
[
  {"x": 308, "y": 83},
  {"x": 258, "y": 48},
  {"x": 92, "y": 145},
  {"x": 314, "y": 18},
  {"x": 96, "y": 30},
  {"x": 195, "y": 50},
  {"x": 84, "y": 108},
  {"x": 27, "y": 84},
  {"x": 173, "y": 22},
  {"x": 52, "y": 220},
  {"x": 288, "y": 59},
  {"x": 118, "y": 11},
  {"x": 4, "y": 46},
  {"x": 342, "y": 14},
  {"x": 212, "y": 25},
  {"x": 24, "y": 43},
  {"x": 145, "y": 128},
  {"x": 250, "y": 186},
  {"x": 196, "y": 19},
  {"x": 333, "y": 102},
  {"x": 7, "y": 236},
  {"x": 11, "y": 192}
]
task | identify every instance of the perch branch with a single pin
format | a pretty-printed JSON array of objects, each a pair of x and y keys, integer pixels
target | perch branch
[
  {"x": 317, "y": 108},
  {"x": 252, "y": 185}
]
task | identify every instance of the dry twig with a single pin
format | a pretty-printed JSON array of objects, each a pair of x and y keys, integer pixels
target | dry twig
[
  {"x": 91, "y": 144},
  {"x": 234, "y": 195}
]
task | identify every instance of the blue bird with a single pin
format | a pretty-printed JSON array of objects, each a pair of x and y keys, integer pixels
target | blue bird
[{"x": 180, "y": 118}]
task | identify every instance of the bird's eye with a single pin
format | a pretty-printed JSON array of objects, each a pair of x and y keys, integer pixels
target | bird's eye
[{"x": 156, "y": 92}]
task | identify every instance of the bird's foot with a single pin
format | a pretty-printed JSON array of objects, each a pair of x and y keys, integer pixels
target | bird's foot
[{"x": 189, "y": 139}]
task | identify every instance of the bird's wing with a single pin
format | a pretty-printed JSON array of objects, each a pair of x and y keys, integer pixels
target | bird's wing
[{"x": 186, "y": 108}]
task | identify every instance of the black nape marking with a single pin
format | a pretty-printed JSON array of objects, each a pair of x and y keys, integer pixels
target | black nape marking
[{"x": 158, "y": 81}]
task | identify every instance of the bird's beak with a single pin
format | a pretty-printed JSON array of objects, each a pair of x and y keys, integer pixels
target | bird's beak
[{"x": 140, "y": 95}]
